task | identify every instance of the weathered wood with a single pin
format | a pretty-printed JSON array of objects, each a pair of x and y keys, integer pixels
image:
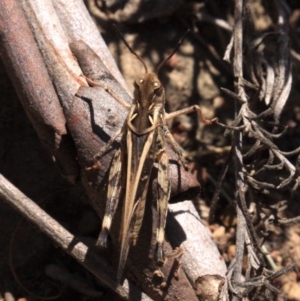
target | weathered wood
[{"x": 65, "y": 240}]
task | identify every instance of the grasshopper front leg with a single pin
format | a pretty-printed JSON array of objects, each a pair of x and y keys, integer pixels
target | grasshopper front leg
[
  {"x": 103, "y": 150},
  {"x": 188, "y": 110},
  {"x": 171, "y": 139},
  {"x": 175, "y": 146},
  {"x": 109, "y": 144}
]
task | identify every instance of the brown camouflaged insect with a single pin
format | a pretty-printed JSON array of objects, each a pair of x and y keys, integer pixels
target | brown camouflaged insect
[{"x": 143, "y": 142}]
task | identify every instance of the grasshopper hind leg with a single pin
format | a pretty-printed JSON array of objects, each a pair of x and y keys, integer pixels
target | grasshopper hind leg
[
  {"x": 113, "y": 193},
  {"x": 102, "y": 239},
  {"x": 164, "y": 190}
]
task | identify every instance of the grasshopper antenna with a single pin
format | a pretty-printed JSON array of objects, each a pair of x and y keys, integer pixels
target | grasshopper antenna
[
  {"x": 131, "y": 50},
  {"x": 175, "y": 49}
]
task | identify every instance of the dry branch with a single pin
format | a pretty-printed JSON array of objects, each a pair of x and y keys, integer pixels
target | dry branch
[
  {"x": 64, "y": 239},
  {"x": 26, "y": 68},
  {"x": 268, "y": 65}
]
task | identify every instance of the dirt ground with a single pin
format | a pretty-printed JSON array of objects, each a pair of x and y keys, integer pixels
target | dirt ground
[{"x": 194, "y": 75}]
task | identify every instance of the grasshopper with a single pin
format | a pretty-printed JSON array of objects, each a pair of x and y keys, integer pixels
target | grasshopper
[{"x": 144, "y": 135}]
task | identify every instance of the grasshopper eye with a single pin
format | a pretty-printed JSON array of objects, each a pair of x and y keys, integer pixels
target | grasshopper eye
[
  {"x": 158, "y": 90},
  {"x": 138, "y": 82}
]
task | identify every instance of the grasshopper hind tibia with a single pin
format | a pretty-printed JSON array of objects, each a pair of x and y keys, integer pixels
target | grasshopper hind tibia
[
  {"x": 159, "y": 254},
  {"x": 102, "y": 239}
]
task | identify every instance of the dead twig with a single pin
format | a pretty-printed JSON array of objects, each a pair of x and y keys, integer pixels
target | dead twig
[
  {"x": 64, "y": 239},
  {"x": 271, "y": 75}
]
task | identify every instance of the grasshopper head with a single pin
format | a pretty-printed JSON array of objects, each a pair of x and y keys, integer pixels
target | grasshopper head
[{"x": 148, "y": 90}]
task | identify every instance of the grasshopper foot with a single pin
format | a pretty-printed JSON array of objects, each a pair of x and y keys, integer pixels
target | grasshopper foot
[
  {"x": 96, "y": 166},
  {"x": 158, "y": 279},
  {"x": 177, "y": 257},
  {"x": 185, "y": 165}
]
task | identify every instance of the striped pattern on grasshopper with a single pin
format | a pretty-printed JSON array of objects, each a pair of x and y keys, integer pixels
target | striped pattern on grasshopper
[{"x": 144, "y": 135}]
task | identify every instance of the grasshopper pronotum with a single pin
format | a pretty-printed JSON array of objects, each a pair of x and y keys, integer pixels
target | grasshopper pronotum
[{"x": 144, "y": 134}]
